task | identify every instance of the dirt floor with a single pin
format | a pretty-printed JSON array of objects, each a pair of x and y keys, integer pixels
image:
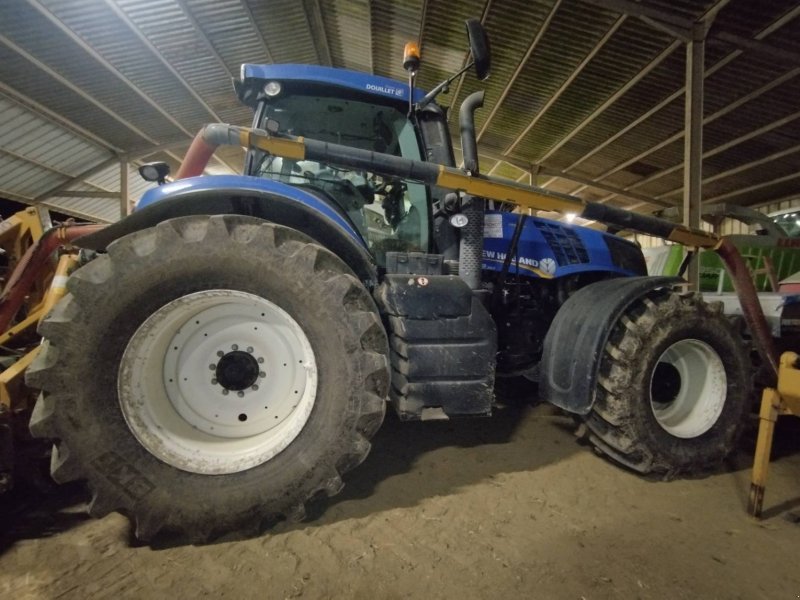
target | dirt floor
[{"x": 508, "y": 507}]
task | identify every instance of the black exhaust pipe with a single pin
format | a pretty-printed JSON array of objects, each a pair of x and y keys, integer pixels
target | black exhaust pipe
[
  {"x": 471, "y": 246},
  {"x": 469, "y": 142}
]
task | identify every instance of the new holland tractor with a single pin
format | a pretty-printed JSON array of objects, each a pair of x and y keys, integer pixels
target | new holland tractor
[{"x": 229, "y": 349}]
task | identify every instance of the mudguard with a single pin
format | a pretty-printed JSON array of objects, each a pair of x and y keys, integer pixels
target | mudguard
[
  {"x": 235, "y": 194},
  {"x": 576, "y": 338}
]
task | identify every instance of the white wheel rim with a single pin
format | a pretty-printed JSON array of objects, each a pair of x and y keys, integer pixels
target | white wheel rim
[
  {"x": 181, "y": 373},
  {"x": 688, "y": 388}
]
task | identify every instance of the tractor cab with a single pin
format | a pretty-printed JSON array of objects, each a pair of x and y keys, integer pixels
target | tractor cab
[{"x": 357, "y": 110}]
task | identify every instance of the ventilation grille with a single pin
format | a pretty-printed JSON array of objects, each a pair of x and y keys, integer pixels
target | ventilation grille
[{"x": 565, "y": 244}]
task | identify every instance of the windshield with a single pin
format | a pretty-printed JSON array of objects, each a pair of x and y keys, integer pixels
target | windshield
[{"x": 390, "y": 214}]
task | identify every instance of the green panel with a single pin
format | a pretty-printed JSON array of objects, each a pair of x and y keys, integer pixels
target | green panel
[
  {"x": 786, "y": 262},
  {"x": 674, "y": 260}
]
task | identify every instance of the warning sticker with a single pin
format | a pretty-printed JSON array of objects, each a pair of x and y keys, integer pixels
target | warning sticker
[{"x": 493, "y": 226}]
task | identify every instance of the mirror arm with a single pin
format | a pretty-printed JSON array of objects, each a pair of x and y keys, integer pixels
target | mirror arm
[{"x": 429, "y": 97}]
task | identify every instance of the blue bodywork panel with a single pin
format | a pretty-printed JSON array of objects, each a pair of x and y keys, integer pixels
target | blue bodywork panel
[
  {"x": 244, "y": 184},
  {"x": 362, "y": 82},
  {"x": 549, "y": 249}
]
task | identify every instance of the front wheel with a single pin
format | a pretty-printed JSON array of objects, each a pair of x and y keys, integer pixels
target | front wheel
[
  {"x": 673, "y": 387},
  {"x": 209, "y": 375}
]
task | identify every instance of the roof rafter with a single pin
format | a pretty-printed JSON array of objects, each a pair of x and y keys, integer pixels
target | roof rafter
[
  {"x": 55, "y": 118},
  {"x": 613, "y": 98},
  {"x": 76, "y": 179},
  {"x": 566, "y": 83},
  {"x": 679, "y": 92},
  {"x": 741, "y": 168},
  {"x": 752, "y": 188},
  {"x": 317, "y": 27},
  {"x": 187, "y": 12},
  {"x": 246, "y": 8},
  {"x": 371, "y": 43},
  {"x": 709, "y": 119},
  {"x": 684, "y": 27},
  {"x": 537, "y": 38},
  {"x": 65, "y": 82},
  {"x": 50, "y": 168}
]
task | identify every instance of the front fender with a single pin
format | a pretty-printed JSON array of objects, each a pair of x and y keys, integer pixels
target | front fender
[
  {"x": 237, "y": 194},
  {"x": 577, "y": 336}
]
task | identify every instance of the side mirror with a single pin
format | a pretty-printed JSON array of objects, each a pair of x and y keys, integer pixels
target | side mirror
[
  {"x": 154, "y": 171},
  {"x": 479, "y": 47}
]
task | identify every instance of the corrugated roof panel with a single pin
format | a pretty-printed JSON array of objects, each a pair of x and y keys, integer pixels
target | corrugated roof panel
[
  {"x": 47, "y": 43},
  {"x": 31, "y": 136},
  {"x": 227, "y": 25},
  {"x": 103, "y": 29},
  {"x": 654, "y": 88},
  {"x": 570, "y": 37},
  {"x": 101, "y": 210},
  {"x": 190, "y": 52},
  {"x": 622, "y": 57},
  {"x": 24, "y": 178},
  {"x": 206, "y": 40},
  {"x": 53, "y": 95},
  {"x": 511, "y": 26},
  {"x": 394, "y": 24},
  {"x": 285, "y": 27},
  {"x": 349, "y": 34},
  {"x": 444, "y": 40}
]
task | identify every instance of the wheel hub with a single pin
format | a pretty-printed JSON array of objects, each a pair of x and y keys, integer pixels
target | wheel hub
[{"x": 237, "y": 370}]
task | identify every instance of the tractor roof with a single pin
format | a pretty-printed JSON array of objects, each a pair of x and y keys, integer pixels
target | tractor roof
[{"x": 253, "y": 77}]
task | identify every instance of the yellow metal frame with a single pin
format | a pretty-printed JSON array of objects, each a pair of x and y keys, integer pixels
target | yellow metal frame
[
  {"x": 785, "y": 400},
  {"x": 12, "y": 394}
]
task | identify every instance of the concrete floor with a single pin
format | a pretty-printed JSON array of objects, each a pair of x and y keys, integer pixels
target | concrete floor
[{"x": 505, "y": 507}]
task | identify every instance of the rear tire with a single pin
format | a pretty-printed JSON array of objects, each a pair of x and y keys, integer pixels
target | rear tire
[
  {"x": 674, "y": 387},
  {"x": 134, "y": 321}
]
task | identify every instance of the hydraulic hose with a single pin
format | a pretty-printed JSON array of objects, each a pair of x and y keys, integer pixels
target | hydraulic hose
[{"x": 30, "y": 266}]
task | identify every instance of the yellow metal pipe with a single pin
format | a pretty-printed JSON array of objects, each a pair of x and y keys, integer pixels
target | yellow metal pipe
[{"x": 58, "y": 288}]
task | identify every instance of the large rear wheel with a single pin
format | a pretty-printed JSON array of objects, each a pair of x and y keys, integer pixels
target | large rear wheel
[
  {"x": 211, "y": 374},
  {"x": 673, "y": 388}
]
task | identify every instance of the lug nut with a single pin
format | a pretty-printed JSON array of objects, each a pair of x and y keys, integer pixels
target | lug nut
[
  {"x": 261, "y": 360},
  {"x": 262, "y": 374},
  {"x": 224, "y": 392},
  {"x": 240, "y": 394},
  {"x": 250, "y": 349},
  {"x": 212, "y": 367},
  {"x": 220, "y": 353},
  {"x": 235, "y": 347},
  {"x": 255, "y": 387},
  {"x": 213, "y": 382}
]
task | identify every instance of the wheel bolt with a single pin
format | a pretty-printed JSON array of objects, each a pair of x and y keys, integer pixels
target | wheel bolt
[
  {"x": 213, "y": 382},
  {"x": 224, "y": 392},
  {"x": 262, "y": 374},
  {"x": 255, "y": 387},
  {"x": 235, "y": 347},
  {"x": 240, "y": 394},
  {"x": 220, "y": 353},
  {"x": 212, "y": 367},
  {"x": 261, "y": 360},
  {"x": 250, "y": 349}
]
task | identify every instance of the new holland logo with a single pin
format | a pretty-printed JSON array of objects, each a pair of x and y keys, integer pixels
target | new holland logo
[{"x": 548, "y": 265}]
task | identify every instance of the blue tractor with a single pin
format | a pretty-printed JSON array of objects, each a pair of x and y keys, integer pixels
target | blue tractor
[{"x": 247, "y": 331}]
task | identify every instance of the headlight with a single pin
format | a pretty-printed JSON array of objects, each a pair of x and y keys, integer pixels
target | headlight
[{"x": 272, "y": 88}]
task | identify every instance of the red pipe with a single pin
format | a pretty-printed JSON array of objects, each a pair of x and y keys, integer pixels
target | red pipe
[
  {"x": 751, "y": 307},
  {"x": 29, "y": 268},
  {"x": 197, "y": 157}
]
